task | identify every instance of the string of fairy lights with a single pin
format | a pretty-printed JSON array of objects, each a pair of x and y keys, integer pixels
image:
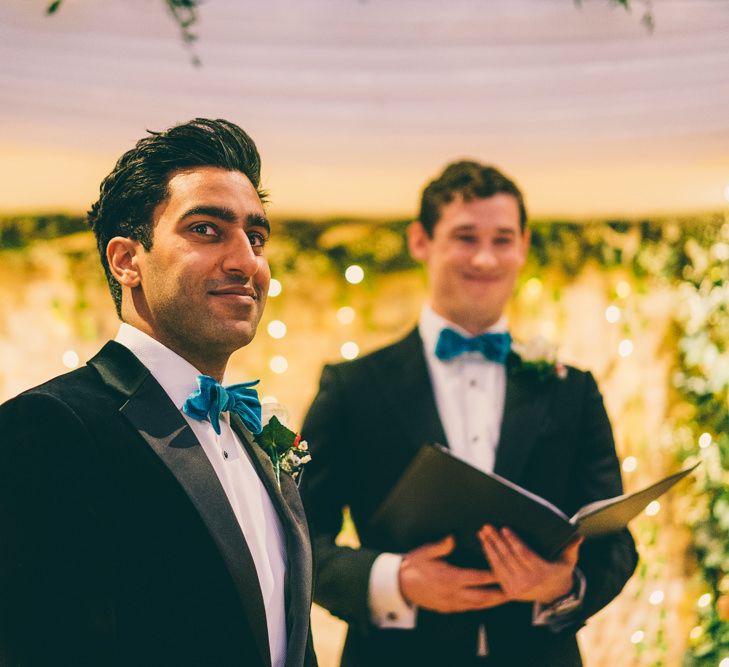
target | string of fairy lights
[{"x": 276, "y": 329}]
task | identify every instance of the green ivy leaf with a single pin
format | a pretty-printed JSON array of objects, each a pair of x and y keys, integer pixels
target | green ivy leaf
[{"x": 275, "y": 438}]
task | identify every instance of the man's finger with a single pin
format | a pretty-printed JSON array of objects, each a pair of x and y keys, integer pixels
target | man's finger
[
  {"x": 480, "y": 599},
  {"x": 497, "y": 553},
  {"x": 468, "y": 577},
  {"x": 520, "y": 552},
  {"x": 437, "y": 549},
  {"x": 571, "y": 552}
]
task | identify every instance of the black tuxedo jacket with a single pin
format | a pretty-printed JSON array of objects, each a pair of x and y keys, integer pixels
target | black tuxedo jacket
[
  {"x": 118, "y": 545},
  {"x": 366, "y": 424}
]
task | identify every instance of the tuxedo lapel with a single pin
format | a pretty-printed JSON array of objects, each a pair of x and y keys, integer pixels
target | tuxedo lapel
[
  {"x": 524, "y": 406},
  {"x": 298, "y": 551},
  {"x": 406, "y": 384},
  {"x": 164, "y": 429}
]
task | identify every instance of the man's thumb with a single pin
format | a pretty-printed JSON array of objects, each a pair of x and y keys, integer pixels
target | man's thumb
[
  {"x": 572, "y": 550},
  {"x": 438, "y": 549}
]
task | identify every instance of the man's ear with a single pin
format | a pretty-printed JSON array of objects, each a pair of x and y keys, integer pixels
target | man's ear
[
  {"x": 122, "y": 254},
  {"x": 418, "y": 241}
]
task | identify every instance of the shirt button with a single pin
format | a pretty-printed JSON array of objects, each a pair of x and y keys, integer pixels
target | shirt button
[
  {"x": 391, "y": 616},
  {"x": 473, "y": 383},
  {"x": 225, "y": 455},
  {"x": 474, "y": 438}
]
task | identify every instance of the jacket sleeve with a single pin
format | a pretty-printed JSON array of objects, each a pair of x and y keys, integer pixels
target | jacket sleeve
[
  {"x": 341, "y": 574},
  {"x": 49, "y": 579},
  {"x": 608, "y": 562}
]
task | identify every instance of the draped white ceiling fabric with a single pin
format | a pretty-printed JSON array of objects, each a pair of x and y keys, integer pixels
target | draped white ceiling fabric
[{"x": 356, "y": 103}]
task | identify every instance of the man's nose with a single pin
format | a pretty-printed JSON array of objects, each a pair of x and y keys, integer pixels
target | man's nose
[
  {"x": 239, "y": 256},
  {"x": 485, "y": 257}
]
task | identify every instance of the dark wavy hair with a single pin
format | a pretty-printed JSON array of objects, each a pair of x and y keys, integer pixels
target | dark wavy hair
[
  {"x": 469, "y": 180},
  {"x": 139, "y": 181}
]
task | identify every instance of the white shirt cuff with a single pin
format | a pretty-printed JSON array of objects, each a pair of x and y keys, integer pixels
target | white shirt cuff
[{"x": 388, "y": 608}]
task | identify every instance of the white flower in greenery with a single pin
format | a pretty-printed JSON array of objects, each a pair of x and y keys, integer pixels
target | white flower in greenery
[
  {"x": 540, "y": 356},
  {"x": 537, "y": 349},
  {"x": 719, "y": 377},
  {"x": 286, "y": 449}
]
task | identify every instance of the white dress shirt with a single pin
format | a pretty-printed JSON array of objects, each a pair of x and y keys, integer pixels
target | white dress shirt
[
  {"x": 469, "y": 393},
  {"x": 245, "y": 491}
]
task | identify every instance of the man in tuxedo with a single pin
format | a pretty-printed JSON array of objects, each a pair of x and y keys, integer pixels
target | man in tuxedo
[
  {"x": 140, "y": 522},
  {"x": 455, "y": 380}
]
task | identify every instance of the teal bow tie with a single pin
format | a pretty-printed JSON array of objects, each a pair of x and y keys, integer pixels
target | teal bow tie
[
  {"x": 212, "y": 398},
  {"x": 494, "y": 346}
]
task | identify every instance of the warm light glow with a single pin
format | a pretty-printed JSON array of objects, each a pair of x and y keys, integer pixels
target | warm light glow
[
  {"x": 704, "y": 440},
  {"x": 274, "y": 287},
  {"x": 704, "y": 600},
  {"x": 70, "y": 359},
  {"x": 279, "y": 364},
  {"x": 345, "y": 315},
  {"x": 350, "y": 350},
  {"x": 696, "y": 632},
  {"x": 612, "y": 314},
  {"x": 622, "y": 289},
  {"x": 724, "y": 663},
  {"x": 625, "y": 348},
  {"x": 656, "y": 597},
  {"x": 637, "y": 637},
  {"x": 532, "y": 289},
  {"x": 548, "y": 329},
  {"x": 726, "y": 193},
  {"x": 276, "y": 329},
  {"x": 354, "y": 274},
  {"x": 630, "y": 463},
  {"x": 269, "y": 399},
  {"x": 653, "y": 508}
]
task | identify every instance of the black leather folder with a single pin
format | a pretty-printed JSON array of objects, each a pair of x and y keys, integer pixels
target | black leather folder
[{"x": 441, "y": 495}]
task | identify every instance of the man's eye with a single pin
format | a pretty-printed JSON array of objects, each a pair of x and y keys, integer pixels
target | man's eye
[
  {"x": 204, "y": 229},
  {"x": 503, "y": 240},
  {"x": 467, "y": 238},
  {"x": 257, "y": 239}
]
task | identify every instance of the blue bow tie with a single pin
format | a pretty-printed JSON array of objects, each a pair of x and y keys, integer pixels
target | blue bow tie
[
  {"x": 212, "y": 398},
  {"x": 494, "y": 346}
]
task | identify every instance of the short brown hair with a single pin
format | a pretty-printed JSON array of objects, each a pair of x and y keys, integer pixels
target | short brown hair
[{"x": 470, "y": 180}]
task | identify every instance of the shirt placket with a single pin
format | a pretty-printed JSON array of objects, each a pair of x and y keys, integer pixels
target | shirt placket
[{"x": 474, "y": 411}]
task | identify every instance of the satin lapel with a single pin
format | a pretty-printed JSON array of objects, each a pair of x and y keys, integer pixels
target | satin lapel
[
  {"x": 524, "y": 406},
  {"x": 165, "y": 430},
  {"x": 406, "y": 385},
  {"x": 288, "y": 505}
]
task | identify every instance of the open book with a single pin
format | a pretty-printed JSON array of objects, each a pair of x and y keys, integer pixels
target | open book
[{"x": 441, "y": 495}]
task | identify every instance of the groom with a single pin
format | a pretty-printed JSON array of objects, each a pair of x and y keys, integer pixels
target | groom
[
  {"x": 139, "y": 526},
  {"x": 454, "y": 380}
]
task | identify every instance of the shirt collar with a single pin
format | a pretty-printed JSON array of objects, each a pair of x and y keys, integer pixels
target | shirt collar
[
  {"x": 431, "y": 324},
  {"x": 177, "y": 376}
]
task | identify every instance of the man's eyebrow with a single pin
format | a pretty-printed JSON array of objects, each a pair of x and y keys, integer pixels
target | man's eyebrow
[
  {"x": 464, "y": 227},
  {"x": 472, "y": 227},
  {"x": 256, "y": 220},
  {"x": 220, "y": 212}
]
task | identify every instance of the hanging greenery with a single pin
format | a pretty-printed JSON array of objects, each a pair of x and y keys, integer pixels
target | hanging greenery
[{"x": 185, "y": 15}]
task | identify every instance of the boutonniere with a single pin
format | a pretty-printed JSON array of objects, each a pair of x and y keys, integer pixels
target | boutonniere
[
  {"x": 285, "y": 448},
  {"x": 539, "y": 356}
]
